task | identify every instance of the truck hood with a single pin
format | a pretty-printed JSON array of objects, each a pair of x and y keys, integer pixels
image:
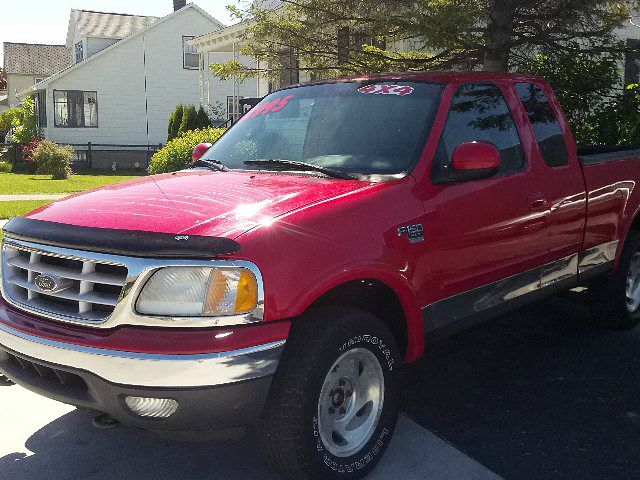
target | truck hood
[{"x": 197, "y": 202}]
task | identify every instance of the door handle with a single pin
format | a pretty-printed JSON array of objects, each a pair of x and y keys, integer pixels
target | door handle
[{"x": 536, "y": 201}]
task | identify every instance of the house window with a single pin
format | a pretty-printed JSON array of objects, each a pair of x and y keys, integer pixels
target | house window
[
  {"x": 79, "y": 52},
  {"x": 38, "y": 80},
  {"x": 41, "y": 108},
  {"x": 190, "y": 56},
  {"x": 234, "y": 109},
  {"x": 74, "y": 108}
]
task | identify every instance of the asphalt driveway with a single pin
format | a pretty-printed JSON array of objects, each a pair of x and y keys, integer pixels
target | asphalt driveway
[{"x": 537, "y": 394}]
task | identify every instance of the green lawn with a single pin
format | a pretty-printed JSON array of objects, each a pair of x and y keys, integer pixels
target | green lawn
[
  {"x": 23, "y": 183},
  {"x": 20, "y": 207}
]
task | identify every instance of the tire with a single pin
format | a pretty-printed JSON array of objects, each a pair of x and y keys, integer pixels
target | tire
[
  {"x": 309, "y": 394},
  {"x": 5, "y": 382},
  {"x": 612, "y": 305}
]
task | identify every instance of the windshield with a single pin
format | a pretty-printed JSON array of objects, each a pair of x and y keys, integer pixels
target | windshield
[{"x": 376, "y": 128}]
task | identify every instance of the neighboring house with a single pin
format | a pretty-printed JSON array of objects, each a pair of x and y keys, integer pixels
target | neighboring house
[
  {"x": 28, "y": 63},
  {"x": 124, "y": 93}
]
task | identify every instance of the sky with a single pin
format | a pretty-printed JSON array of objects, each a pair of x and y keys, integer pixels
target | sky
[{"x": 46, "y": 21}]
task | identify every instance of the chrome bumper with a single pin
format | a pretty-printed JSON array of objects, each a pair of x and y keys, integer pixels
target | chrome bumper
[{"x": 150, "y": 370}]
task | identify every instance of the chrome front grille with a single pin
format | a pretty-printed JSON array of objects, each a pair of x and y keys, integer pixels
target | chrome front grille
[{"x": 77, "y": 288}]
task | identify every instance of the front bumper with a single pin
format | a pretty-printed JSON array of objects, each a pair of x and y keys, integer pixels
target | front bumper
[{"x": 214, "y": 391}]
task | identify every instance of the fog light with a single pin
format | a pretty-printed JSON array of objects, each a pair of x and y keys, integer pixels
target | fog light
[{"x": 152, "y": 407}]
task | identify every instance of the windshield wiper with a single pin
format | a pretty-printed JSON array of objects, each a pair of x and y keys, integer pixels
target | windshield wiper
[
  {"x": 302, "y": 166},
  {"x": 210, "y": 164}
]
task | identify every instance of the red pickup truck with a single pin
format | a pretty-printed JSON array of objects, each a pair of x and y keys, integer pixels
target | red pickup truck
[{"x": 283, "y": 280}]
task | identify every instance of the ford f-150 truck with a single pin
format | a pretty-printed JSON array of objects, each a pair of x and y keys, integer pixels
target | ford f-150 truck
[{"x": 283, "y": 280}]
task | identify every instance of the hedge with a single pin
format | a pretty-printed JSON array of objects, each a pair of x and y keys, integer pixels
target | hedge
[{"x": 176, "y": 155}]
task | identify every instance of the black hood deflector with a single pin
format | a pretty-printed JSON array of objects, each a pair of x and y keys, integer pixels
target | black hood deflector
[{"x": 133, "y": 243}]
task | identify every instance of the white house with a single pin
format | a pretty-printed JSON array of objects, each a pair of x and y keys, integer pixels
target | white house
[{"x": 121, "y": 91}]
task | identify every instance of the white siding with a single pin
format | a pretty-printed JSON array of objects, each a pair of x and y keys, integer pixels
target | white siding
[
  {"x": 119, "y": 76},
  {"x": 94, "y": 44}
]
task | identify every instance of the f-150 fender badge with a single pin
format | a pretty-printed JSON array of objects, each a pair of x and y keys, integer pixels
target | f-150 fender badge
[{"x": 415, "y": 233}]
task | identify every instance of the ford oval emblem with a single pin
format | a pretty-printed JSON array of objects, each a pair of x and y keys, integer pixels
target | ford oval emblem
[{"x": 45, "y": 283}]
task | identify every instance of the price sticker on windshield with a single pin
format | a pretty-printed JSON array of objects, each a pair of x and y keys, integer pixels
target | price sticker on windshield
[
  {"x": 377, "y": 89},
  {"x": 266, "y": 108}
]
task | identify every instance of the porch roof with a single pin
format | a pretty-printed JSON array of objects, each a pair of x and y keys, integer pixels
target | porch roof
[{"x": 221, "y": 40}]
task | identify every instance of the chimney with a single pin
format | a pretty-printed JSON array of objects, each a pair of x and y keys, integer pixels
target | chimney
[{"x": 178, "y": 4}]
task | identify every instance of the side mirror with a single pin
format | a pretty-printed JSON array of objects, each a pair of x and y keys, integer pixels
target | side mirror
[
  {"x": 200, "y": 150},
  {"x": 474, "y": 160}
]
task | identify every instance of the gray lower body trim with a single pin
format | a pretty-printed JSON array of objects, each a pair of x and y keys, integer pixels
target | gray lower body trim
[
  {"x": 512, "y": 292},
  {"x": 598, "y": 256},
  {"x": 150, "y": 370}
]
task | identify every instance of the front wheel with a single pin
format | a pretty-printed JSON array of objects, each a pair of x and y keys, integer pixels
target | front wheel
[{"x": 334, "y": 401}]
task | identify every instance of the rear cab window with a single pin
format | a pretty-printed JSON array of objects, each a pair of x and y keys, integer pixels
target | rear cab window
[
  {"x": 544, "y": 121},
  {"x": 480, "y": 113}
]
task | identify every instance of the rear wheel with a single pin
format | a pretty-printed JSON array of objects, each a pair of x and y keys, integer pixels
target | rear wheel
[
  {"x": 334, "y": 400},
  {"x": 615, "y": 300}
]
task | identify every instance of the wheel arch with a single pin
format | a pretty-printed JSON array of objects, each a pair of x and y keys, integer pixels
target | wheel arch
[{"x": 388, "y": 296}]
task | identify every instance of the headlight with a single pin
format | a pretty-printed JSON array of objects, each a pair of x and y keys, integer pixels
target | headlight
[{"x": 199, "y": 291}]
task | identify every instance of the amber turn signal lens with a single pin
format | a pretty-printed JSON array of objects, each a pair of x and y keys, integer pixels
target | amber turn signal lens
[{"x": 247, "y": 295}]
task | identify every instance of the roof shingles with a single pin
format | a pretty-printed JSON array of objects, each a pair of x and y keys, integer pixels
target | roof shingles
[
  {"x": 35, "y": 59},
  {"x": 110, "y": 25}
]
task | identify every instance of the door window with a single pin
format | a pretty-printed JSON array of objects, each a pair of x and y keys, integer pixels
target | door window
[{"x": 479, "y": 113}]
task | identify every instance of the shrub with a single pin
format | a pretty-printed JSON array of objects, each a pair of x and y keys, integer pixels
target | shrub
[
  {"x": 29, "y": 148},
  {"x": 176, "y": 155},
  {"x": 53, "y": 159},
  {"x": 5, "y": 167},
  {"x": 174, "y": 122},
  {"x": 189, "y": 120}
]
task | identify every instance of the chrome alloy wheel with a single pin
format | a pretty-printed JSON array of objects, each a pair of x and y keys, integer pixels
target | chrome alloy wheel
[
  {"x": 350, "y": 402},
  {"x": 633, "y": 284}
]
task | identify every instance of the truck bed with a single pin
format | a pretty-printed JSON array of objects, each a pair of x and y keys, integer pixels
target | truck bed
[{"x": 594, "y": 154}]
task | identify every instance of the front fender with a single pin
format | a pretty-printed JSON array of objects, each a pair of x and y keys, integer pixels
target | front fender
[{"x": 380, "y": 272}]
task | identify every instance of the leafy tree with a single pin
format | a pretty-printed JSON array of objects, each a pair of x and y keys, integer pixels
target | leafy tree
[
  {"x": 203, "y": 119},
  {"x": 26, "y": 123},
  {"x": 189, "y": 120},
  {"x": 174, "y": 122},
  {"x": 331, "y": 37},
  {"x": 3, "y": 79},
  {"x": 6, "y": 121}
]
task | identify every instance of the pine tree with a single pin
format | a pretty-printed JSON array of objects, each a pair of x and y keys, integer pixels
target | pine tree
[
  {"x": 203, "y": 118},
  {"x": 189, "y": 120},
  {"x": 174, "y": 122}
]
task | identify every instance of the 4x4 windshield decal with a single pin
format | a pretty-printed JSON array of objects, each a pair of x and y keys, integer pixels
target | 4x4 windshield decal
[
  {"x": 377, "y": 89},
  {"x": 268, "y": 107}
]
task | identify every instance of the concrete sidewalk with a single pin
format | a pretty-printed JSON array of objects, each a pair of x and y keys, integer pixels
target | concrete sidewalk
[
  {"x": 16, "y": 198},
  {"x": 46, "y": 439}
]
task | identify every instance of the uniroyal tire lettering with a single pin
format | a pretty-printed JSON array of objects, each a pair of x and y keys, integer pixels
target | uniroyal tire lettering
[
  {"x": 373, "y": 340},
  {"x": 358, "y": 464}
]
